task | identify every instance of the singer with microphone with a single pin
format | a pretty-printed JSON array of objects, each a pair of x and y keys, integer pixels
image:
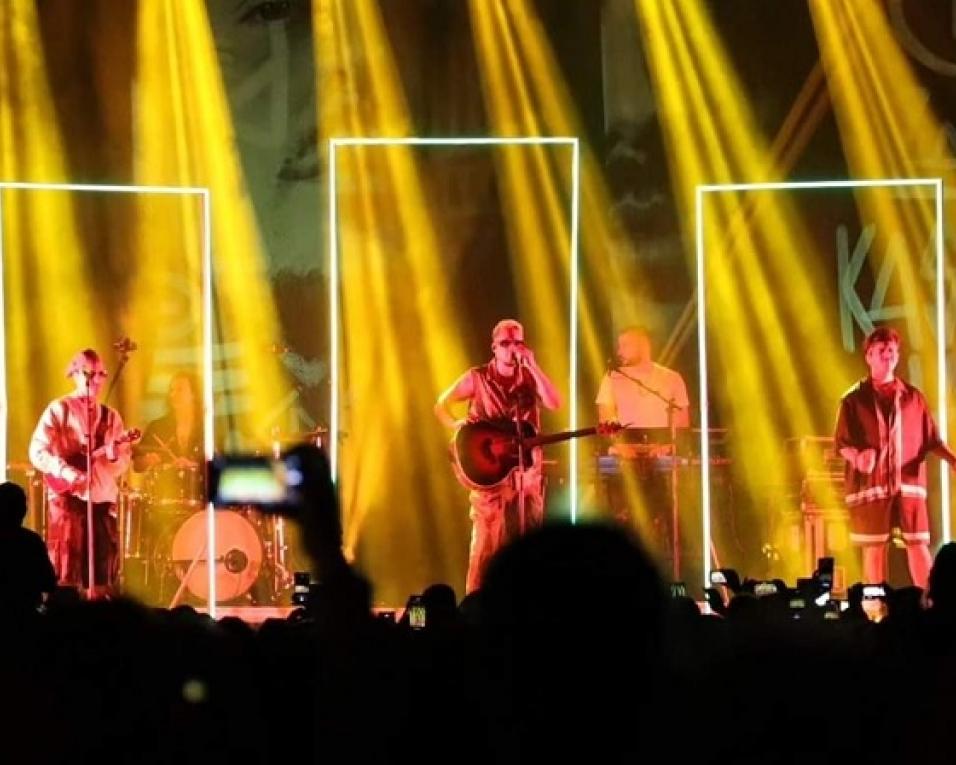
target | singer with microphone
[
  {"x": 638, "y": 392},
  {"x": 59, "y": 449},
  {"x": 510, "y": 387},
  {"x": 651, "y": 402}
]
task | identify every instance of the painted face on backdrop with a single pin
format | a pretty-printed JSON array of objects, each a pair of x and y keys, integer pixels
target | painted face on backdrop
[{"x": 265, "y": 52}]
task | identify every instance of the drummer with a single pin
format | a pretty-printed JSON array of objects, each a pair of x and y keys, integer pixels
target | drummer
[{"x": 174, "y": 440}]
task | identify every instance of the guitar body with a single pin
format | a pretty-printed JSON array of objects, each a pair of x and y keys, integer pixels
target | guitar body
[
  {"x": 78, "y": 461},
  {"x": 484, "y": 453}
]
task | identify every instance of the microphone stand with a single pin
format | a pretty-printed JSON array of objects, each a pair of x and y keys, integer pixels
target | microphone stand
[
  {"x": 124, "y": 346},
  {"x": 90, "y": 547},
  {"x": 519, "y": 435},
  {"x": 520, "y": 474},
  {"x": 672, "y": 407}
]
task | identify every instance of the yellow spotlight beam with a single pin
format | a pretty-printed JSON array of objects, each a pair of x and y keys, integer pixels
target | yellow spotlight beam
[
  {"x": 395, "y": 337},
  {"x": 888, "y": 127},
  {"x": 185, "y": 136},
  {"x": 45, "y": 280},
  {"x": 756, "y": 241}
]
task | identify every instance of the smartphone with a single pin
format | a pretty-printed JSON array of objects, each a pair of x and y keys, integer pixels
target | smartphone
[
  {"x": 715, "y": 600},
  {"x": 727, "y": 577},
  {"x": 874, "y": 592},
  {"x": 762, "y": 589},
  {"x": 268, "y": 484},
  {"x": 301, "y": 584},
  {"x": 416, "y": 612},
  {"x": 825, "y": 573}
]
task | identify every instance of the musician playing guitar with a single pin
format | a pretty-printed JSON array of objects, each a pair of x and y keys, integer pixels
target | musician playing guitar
[
  {"x": 511, "y": 384},
  {"x": 58, "y": 450}
]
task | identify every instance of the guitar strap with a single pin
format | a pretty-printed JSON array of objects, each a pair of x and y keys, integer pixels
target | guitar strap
[{"x": 99, "y": 436}]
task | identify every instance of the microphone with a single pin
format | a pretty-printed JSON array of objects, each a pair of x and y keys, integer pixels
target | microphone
[{"x": 125, "y": 345}]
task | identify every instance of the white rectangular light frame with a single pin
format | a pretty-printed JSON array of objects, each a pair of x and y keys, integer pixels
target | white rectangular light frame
[
  {"x": 208, "y": 414},
  {"x": 334, "y": 322},
  {"x": 942, "y": 415}
]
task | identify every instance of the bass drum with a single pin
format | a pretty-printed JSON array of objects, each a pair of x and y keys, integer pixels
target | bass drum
[{"x": 237, "y": 560}]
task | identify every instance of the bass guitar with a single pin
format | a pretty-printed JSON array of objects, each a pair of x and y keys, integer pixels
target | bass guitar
[
  {"x": 78, "y": 461},
  {"x": 485, "y": 453}
]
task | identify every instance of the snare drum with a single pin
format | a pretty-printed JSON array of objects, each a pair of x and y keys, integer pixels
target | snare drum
[
  {"x": 237, "y": 560},
  {"x": 170, "y": 485}
]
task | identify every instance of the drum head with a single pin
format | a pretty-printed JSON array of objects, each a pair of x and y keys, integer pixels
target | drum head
[{"x": 238, "y": 556}]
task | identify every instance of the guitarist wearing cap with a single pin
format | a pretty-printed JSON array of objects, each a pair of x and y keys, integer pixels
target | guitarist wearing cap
[
  {"x": 58, "y": 450},
  {"x": 511, "y": 384}
]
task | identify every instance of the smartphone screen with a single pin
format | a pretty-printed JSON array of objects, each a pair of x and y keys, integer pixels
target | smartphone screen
[
  {"x": 247, "y": 481},
  {"x": 762, "y": 589},
  {"x": 874, "y": 591},
  {"x": 416, "y": 615}
]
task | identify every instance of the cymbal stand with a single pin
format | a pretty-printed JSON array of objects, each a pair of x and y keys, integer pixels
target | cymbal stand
[
  {"x": 88, "y": 406},
  {"x": 281, "y": 576},
  {"x": 276, "y": 548}
]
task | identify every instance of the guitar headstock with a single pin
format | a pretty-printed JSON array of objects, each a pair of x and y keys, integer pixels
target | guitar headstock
[{"x": 608, "y": 428}]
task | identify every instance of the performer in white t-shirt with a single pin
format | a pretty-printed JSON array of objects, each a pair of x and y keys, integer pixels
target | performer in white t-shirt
[
  {"x": 642, "y": 395},
  {"x": 636, "y": 394}
]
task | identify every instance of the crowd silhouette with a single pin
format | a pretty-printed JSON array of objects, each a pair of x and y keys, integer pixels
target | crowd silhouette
[{"x": 573, "y": 650}]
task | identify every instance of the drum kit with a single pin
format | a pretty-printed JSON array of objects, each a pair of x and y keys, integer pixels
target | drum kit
[
  {"x": 164, "y": 540},
  {"x": 163, "y": 533}
]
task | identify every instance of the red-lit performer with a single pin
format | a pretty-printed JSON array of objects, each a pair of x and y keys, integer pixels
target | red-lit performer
[
  {"x": 58, "y": 450},
  {"x": 510, "y": 384},
  {"x": 884, "y": 432}
]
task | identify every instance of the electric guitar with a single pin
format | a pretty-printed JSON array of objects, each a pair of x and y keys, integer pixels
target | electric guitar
[
  {"x": 484, "y": 453},
  {"x": 78, "y": 461}
]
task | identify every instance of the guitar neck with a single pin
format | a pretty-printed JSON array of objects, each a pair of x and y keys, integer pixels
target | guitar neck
[{"x": 554, "y": 438}]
